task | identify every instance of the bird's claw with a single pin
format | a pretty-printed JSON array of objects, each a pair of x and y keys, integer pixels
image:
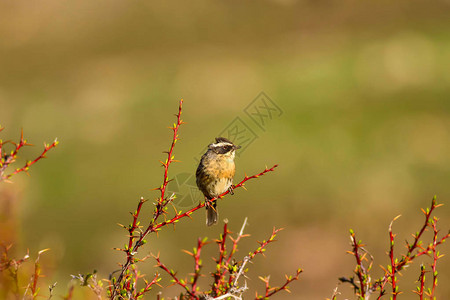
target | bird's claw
[{"x": 231, "y": 189}]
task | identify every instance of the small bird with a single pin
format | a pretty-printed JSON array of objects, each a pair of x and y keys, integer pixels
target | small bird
[{"x": 215, "y": 174}]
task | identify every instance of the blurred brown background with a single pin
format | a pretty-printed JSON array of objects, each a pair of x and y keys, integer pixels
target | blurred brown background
[{"x": 364, "y": 133}]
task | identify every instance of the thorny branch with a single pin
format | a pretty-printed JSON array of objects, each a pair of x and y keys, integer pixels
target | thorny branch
[
  {"x": 136, "y": 232},
  {"x": 222, "y": 287},
  {"x": 363, "y": 285},
  {"x": 7, "y": 159}
]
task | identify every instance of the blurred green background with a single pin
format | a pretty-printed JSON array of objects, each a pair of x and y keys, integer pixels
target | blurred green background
[{"x": 364, "y": 136}]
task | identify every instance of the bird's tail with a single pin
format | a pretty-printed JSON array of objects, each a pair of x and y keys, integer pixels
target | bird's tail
[{"x": 211, "y": 214}]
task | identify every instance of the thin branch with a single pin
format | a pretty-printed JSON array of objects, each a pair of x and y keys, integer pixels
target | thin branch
[
  {"x": 137, "y": 233},
  {"x": 7, "y": 159}
]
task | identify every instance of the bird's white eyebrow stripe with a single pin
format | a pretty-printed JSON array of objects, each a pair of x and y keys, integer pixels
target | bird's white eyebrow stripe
[{"x": 221, "y": 144}]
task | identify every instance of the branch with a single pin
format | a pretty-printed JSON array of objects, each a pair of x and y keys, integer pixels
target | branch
[
  {"x": 7, "y": 159},
  {"x": 137, "y": 235},
  {"x": 270, "y": 291},
  {"x": 175, "y": 279},
  {"x": 409, "y": 257}
]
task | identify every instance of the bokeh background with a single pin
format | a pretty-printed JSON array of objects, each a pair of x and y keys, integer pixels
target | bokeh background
[{"x": 364, "y": 134}]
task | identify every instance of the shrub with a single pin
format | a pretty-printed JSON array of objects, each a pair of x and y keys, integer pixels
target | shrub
[{"x": 227, "y": 279}]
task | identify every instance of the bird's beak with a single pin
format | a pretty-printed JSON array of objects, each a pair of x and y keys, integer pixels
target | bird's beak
[{"x": 237, "y": 147}]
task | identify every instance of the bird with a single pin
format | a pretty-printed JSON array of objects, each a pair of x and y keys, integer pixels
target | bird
[{"x": 215, "y": 174}]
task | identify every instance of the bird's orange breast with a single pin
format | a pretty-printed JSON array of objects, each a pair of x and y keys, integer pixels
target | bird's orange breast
[{"x": 221, "y": 169}]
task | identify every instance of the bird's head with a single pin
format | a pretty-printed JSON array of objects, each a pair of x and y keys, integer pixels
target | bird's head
[{"x": 224, "y": 147}]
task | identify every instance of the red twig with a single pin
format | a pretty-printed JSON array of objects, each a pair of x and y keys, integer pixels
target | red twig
[
  {"x": 36, "y": 275},
  {"x": 170, "y": 157},
  {"x": 406, "y": 259},
  {"x": 435, "y": 256},
  {"x": 148, "y": 286},
  {"x": 431, "y": 250},
  {"x": 393, "y": 268},
  {"x": 236, "y": 241},
  {"x": 131, "y": 229},
  {"x": 359, "y": 269},
  {"x": 7, "y": 159},
  {"x": 261, "y": 249},
  {"x": 270, "y": 291},
  {"x": 421, "y": 287},
  {"x": 175, "y": 280},
  {"x": 197, "y": 263},
  {"x": 219, "y": 274}
]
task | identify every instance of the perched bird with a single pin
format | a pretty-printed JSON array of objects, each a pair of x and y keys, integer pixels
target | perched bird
[{"x": 215, "y": 174}]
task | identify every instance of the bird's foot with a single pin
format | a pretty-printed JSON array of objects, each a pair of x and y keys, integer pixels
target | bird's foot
[{"x": 231, "y": 189}]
